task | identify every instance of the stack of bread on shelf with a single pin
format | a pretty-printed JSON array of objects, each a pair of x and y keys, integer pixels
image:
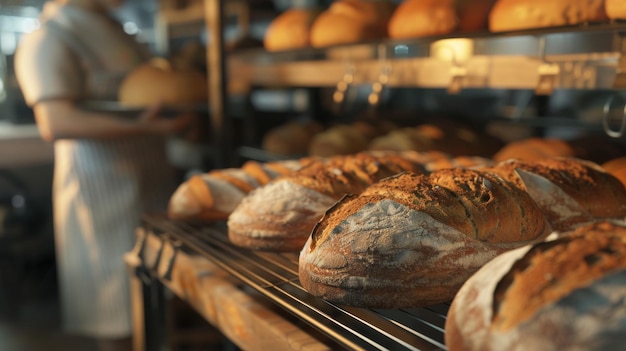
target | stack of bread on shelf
[
  {"x": 354, "y": 21},
  {"x": 214, "y": 195},
  {"x": 396, "y": 229},
  {"x": 445, "y": 135},
  {"x": 413, "y": 239},
  {"x": 281, "y": 215}
]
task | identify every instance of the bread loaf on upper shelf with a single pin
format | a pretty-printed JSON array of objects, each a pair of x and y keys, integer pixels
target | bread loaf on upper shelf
[
  {"x": 508, "y": 15},
  {"x": 569, "y": 191},
  {"x": 412, "y": 240},
  {"x": 419, "y": 18},
  {"x": 290, "y": 30},
  {"x": 565, "y": 294},
  {"x": 280, "y": 215},
  {"x": 351, "y": 21},
  {"x": 616, "y": 9},
  {"x": 214, "y": 195}
]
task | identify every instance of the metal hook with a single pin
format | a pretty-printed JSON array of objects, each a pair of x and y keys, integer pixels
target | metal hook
[
  {"x": 344, "y": 84},
  {"x": 379, "y": 86},
  {"x": 605, "y": 119}
]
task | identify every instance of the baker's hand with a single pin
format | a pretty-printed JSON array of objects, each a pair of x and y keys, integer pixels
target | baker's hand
[{"x": 156, "y": 123}]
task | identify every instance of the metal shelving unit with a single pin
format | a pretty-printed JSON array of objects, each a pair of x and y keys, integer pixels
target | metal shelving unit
[{"x": 575, "y": 57}]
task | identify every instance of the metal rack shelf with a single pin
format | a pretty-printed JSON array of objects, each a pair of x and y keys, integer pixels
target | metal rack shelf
[
  {"x": 574, "y": 57},
  {"x": 275, "y": 276}
]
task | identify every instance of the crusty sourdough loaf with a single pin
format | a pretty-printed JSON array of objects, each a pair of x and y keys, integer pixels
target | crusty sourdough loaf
[
  {"x": 565, "y": 294},
  {"x": 280, "y": 215},
  {"x": 214, "y": 195},
  {"x": 290, "y": 30},
  {"x": 508, "y": 15},
  {"x": 569, "y": 191},
  {"x": 419, "y": 18},
  {"x": 292, "y": 138},
  {"x": 412, "y": 240},
  {"x": 532, "y": 149},
  {"x": 351, "y": 21}
]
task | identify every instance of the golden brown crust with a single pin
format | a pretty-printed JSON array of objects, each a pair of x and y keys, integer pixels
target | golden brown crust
[
  {"x": 591, "y": 192},
  {"x": 616, "y": 9},
  {"x": 281, "y": 215},
  {"x": 214, "y": 195},
  {"x": 410, "y": 240},
  {"x": 560, "y": 294},
  {"x": 290, "y": 30},
  {"x": 572, "y": 262},
  {"x": 533, "y": 149},
  {"x": 509, "y": 15},
  {"x": 418, "y": 18},
  {"x": 157, "y": 81},
  {"x": 351, "y": 21}
]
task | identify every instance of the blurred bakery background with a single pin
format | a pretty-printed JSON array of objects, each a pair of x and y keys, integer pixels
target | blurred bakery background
[{"x": 299, "y": 82}]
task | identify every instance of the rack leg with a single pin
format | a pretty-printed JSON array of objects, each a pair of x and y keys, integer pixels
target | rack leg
[{"x": 148, "y": 311}]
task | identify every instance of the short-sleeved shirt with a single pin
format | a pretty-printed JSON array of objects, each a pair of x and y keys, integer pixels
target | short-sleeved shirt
[{"x": 48, "y": 68}]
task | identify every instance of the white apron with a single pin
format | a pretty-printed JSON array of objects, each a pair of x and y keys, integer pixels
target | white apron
[{"x": 101, "y": 188}]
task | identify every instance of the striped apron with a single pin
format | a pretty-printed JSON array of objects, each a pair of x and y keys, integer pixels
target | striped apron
[{"x": 100, "y": 189}]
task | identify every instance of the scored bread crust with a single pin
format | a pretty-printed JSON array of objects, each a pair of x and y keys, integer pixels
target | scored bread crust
[
  {"x": 569, "y": 191},
  {"x": 214, "y": 195},
  {"x": 412, "y": 240},
  {"x": 281, "y": 215},
  {"x": 556, "y": 295}
]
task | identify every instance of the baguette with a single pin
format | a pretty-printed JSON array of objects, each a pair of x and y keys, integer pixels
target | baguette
[
  {"x": 565, "y": 294},
  {"x": 281, "y": 215},
  {"x": 412, "y": 240},
  {"x": 214, "y": 195},
  {"x": 569, "y": 191}
]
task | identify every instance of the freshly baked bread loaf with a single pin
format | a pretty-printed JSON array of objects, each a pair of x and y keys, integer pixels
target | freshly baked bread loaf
[
  {"x": 593, "y": 148},
  {"x": 157, "y": 81},
  {"x": 342, "y": 139},
  {"x": 617, "y": 167},
  {"x": 290, "y": 30},
  {"x": 508, "y": 15},
  {"x": 418, "y": 18},
  {"x": 533, "y": 149},
  {"x": 616, "y": 9},
  {"x": 569, "y": 191},
  {"x": 566, "y": 294},
  {"x": 445, "y": 136},
  {"x": 412, "y": 240},
  {"x": 280, "y": 215},
  {"x": 214, "y": 195},
  {"x": 458, "y": 162},
  {"x": 292, "y": 138},
  {"x": 351, "y": 21}
]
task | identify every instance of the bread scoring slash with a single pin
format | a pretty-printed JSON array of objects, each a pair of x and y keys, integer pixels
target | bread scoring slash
[
  {"x": 568, "y": 293},
  {"x": 412, "y": 240}
]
